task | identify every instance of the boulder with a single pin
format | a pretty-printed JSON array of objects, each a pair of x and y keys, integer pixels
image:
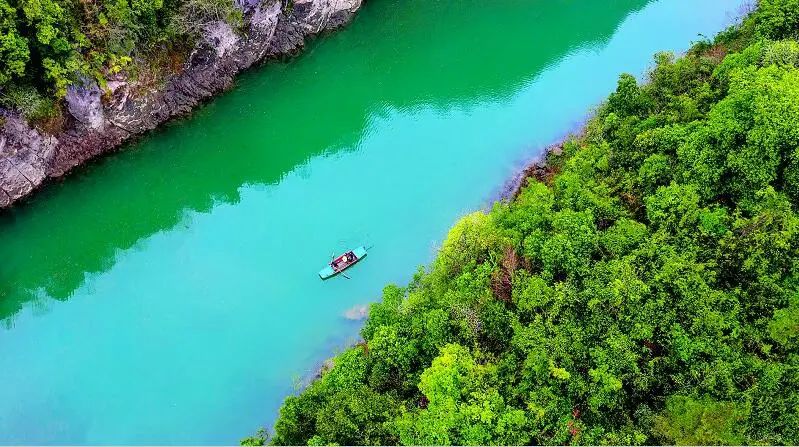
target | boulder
[{"x": 84, "y": 102}]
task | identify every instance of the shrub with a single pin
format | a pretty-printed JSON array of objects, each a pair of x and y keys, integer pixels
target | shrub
[{"x": 30, "y": 103}]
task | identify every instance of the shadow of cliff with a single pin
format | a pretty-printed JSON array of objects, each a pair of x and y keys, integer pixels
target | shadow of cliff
[{"x": 395, "y": 56}]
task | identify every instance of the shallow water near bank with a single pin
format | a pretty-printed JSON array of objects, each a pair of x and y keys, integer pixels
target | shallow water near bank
[{"x": 168, "y": 294}]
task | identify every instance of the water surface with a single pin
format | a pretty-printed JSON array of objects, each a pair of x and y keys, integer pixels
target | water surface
[{"x": 168, "y": 293}]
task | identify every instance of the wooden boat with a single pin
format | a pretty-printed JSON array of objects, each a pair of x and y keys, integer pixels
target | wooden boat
[{"x": 343, "y": 262}]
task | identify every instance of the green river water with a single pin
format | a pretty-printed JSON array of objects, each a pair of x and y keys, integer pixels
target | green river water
[{"x": 168, "y": 293}]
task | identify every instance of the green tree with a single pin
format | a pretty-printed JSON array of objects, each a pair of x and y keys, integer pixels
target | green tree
[
  {"x": 14, "y": 52},
  {"x": 689, "y": 421}
]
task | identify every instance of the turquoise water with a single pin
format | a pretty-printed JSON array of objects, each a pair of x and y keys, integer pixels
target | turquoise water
[{"x": 168, "y": 293}]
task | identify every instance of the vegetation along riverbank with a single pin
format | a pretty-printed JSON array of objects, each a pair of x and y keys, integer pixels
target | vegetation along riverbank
[
  {"x": 642, "y": 291},
  {"x": 78, "y": 79}
]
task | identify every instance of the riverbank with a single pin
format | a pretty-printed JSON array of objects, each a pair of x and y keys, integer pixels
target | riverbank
[
  {"x": 619, "y": 296},
  {"x": 99, "y": 121}
]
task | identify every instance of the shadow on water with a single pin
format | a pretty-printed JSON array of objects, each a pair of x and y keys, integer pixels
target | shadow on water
[{"x": 279, "y": 117}]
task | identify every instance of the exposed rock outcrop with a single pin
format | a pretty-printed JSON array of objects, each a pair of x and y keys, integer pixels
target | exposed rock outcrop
[
  {"x": 25, "y": 155},
  {"x": 99, "y": 123},
  {"x": 85, "y": 104}
]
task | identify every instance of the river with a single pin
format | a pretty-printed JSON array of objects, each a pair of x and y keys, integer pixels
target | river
[{"x": 169, "y": 294}]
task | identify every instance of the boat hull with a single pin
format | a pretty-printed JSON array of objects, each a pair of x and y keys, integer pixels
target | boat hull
[{"x": 329, "y": 271}]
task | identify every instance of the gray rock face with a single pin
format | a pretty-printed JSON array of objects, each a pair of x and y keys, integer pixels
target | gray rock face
[
  {"x": 85, "y": 105},
  {"x": 221, "y": 37},
  {"x": 102, "y": 122},
  {"x": 316, "y": 14},
  {"x": 246, "y": 5},
  {"x": 24, "y": 157}
]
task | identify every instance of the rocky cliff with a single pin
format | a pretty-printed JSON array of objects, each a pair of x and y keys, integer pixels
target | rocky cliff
[{"x": 98, "y": 121}]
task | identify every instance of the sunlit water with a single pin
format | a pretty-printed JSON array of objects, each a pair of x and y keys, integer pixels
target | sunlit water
[{"x": 168, "y": 293}]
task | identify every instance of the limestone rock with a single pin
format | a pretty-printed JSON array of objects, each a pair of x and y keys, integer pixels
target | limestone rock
[
  {"x": 317, "y": 14},
  {"x": 221, "y": 37},
  {"x": 24, "y": 157},
  {"x": 85, "y": 104},
  {"x": 247, "y": 5}
]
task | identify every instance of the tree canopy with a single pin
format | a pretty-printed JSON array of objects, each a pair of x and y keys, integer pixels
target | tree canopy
[
  {"x": 47, "y": 45},
  {"x": 645, "y": 293}
]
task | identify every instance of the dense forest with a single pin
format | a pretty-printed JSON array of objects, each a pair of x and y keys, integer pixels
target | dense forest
[
  {"x": 47, "y": 45},
  {"x": 642, "y": 289}
]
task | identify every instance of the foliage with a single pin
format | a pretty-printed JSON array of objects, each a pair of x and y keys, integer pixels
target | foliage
[
  {"x": 196, "y": 14},
  {"x": 48, "y": 45},
  {"x": 259, "y": 438},
  {"x": 778, "y": 18},
  {"x": 14, "y": 53},
  {"x": 28, "y": 101},
  {"x": 688, "y": 421},
  {"x": 646, "y": 294}
]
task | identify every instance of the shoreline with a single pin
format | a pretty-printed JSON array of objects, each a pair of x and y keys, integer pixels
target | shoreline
[{"x": 100, "y": 122}]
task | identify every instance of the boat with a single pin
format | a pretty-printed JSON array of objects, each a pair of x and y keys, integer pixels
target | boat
[{"x": 343, "y": 262}]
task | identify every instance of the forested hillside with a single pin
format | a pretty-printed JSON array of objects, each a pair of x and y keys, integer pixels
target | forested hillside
[
  {"x": 643, "y": 290},
  {"x": 47, "y": 45}
]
